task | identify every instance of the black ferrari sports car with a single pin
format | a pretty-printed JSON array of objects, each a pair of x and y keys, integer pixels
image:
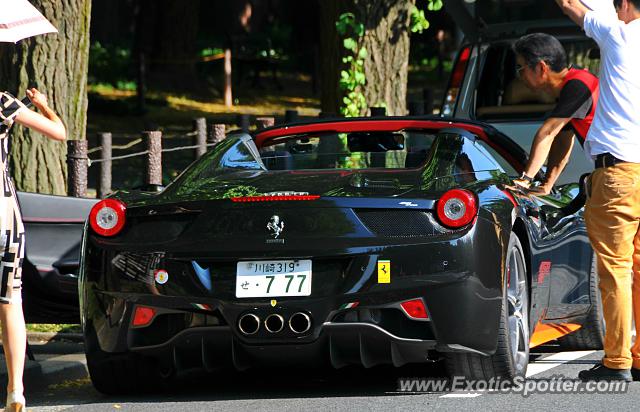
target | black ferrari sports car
[{"x": 358, "y": 241}]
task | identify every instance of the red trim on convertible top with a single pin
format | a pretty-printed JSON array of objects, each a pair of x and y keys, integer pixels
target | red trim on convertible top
[
  {"x": 388, "y": 125},
  {"x": 358, "y": 126}
]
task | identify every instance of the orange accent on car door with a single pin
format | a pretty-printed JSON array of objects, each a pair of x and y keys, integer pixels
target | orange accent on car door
[{"x": 547, "y": 332}]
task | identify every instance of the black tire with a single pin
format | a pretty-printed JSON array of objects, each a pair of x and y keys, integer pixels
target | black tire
[
  {"x": 502, "y": 364},
  {"x": 591, "y": 335},
  {"x": 121, "y": 373}
]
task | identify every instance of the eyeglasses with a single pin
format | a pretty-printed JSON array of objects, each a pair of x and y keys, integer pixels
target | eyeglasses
[{"x": 519, "y": 69}]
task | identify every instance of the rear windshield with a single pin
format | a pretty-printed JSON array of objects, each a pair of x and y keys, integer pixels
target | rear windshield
[
  {"x": 355, "y": 150},
  {"x": 422, "y": 154}
]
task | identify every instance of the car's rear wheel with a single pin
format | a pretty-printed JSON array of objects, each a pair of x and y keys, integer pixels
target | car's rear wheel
[
  {"x": 512, "y": 354},
  {"x": 120, "y": 373},
  {"x": 591, "y": 334}
]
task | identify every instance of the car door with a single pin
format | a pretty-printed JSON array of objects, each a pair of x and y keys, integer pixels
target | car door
[
  {"x": 572, "y": 256},
  {"x": 53, "y": 231},
  {"x": 560, "y": 250}
]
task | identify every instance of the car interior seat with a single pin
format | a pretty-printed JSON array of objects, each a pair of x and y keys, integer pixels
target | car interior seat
[
  {"x": 517, "y": 92},
  {"x": 277, "y": 160},
  {"x": 519, "y": 99}
]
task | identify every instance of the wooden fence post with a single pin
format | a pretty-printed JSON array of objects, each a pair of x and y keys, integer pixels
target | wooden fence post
[
  {"x": 154, "y": 157},
  {"x": 265, "y": 122},
  {"x": 216, "y": 134},
  {"x": 104, "y": 183},
  {"x": 200, "y": 139},
  {"x": 77, "y": 164},
  {"x": 228, "y": 96}
]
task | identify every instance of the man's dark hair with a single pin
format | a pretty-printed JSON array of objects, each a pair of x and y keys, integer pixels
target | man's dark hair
[
  {"x": 618, "y": 3},
  {"x": 537, "y": 47}
]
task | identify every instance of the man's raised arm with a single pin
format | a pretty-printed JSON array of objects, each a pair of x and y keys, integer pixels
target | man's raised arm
[{"x": 575, "y": 9}]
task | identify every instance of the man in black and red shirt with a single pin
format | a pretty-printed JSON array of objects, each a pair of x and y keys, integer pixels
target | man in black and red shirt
[{"x": 542, "y": 65}]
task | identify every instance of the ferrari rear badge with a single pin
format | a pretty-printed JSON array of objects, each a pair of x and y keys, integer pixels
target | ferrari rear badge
[
  {"x": 162, "y": 276},
  {"x": 384, "y": 271},
  {"x": 274, "y": 303},
  {"x": 275, "y": 226}
]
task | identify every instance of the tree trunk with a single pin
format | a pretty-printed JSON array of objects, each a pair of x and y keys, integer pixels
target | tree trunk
[
  {"x": 386, "y": 38},
  {"x": 387, "y": 29},
  {"x": 57, "y": 65}
]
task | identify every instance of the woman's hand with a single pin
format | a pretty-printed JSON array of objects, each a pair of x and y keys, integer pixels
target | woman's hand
[
  {"x": 38, "y": 99},
  {"x": 47, "y": 122}
]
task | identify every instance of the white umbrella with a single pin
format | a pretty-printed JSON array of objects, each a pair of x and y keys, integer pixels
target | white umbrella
[{"x": 19, "y": 19}]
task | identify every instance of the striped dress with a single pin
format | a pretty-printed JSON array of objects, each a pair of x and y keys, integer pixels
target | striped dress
[{"x": 11, "y": 227}]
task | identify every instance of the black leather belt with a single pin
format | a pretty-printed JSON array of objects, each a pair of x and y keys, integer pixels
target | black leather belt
[{"x": 606, "y": 160}]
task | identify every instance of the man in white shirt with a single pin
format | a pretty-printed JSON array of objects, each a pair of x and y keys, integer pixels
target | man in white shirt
[{"x": 612, "y": 212}]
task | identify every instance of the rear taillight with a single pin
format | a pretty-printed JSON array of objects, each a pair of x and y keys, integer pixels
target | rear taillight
[
  {"x": 457, "y": 208},
  {"x": 457, "y": 76},
  {"x": 415, "y": 309},
  {"x": 107, "y": 217},
  {"x": 143, "y": 316}
]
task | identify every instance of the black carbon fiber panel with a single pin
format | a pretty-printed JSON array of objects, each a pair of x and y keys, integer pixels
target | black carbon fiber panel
[{"x": 400, "y": 223}]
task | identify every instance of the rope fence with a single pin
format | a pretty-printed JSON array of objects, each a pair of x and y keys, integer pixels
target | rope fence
[{"x": 203, "y": 137}]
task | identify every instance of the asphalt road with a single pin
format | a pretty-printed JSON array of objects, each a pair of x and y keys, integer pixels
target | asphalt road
[{"x": 348, "y": 389}]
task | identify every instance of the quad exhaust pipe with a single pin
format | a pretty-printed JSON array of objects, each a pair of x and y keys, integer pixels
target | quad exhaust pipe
[
  {"x": 249, "y": 323},
  {"x": 274, "y": 323},
  {"x": 299, "y": 323}
]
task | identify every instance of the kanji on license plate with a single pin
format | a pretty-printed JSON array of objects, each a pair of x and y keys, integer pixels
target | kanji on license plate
[{"x": 270, "y": 278}]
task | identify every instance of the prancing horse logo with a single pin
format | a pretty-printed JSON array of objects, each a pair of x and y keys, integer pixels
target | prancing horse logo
[{"x": 275, "y": 226}]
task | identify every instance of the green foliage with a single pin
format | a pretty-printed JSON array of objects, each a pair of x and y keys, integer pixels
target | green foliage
[
  {"x": 434, "y": 5},
  {"x": 419, "y": 22},
  {"x": 110, "y": 65},
  {"x": 109, "y": 88},
  {"x": 55, "y": 328},
  {"x": 352, "y": 79},
  {"x": 211, "y": 51}
]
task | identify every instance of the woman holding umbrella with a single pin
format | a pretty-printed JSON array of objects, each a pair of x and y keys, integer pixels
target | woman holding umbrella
[
  {"x": 18, "y": 20},
  {"x": 12, "y": 238}
]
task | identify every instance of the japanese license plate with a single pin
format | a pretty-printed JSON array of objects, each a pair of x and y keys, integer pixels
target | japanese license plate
[{"x": 267, "y": 278}]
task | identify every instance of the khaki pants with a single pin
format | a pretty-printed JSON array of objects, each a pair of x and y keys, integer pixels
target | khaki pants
[{"x": 612, "y": 215}]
